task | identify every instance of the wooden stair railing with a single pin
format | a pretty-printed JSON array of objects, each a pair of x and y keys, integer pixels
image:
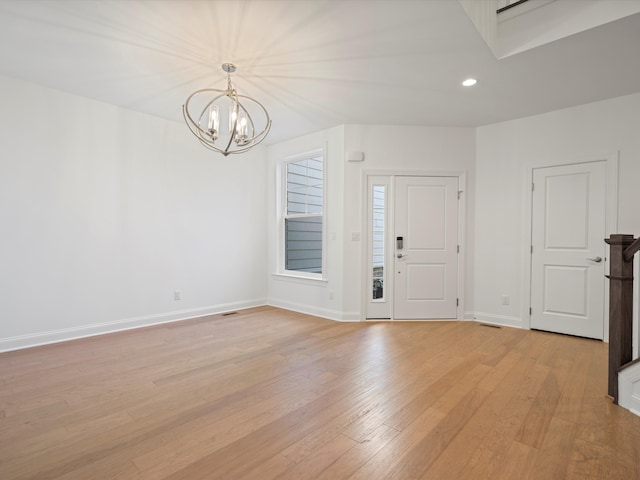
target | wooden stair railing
[
  {"x": 631, "y": 250},
  {"x": 621, "y": 252}
]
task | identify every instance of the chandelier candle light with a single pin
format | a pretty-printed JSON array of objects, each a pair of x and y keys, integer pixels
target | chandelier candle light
[{"x": 249, "y": 122}]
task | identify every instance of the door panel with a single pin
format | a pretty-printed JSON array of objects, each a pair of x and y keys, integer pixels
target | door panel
[
  {"x": 566, "y": 290},
  {"x": 426, "y": 232},
  {"x": 425, "y": 282},
  {"x": 567, "y": 262},
  {"x": 426, "y": 218},
  {"x": 567, "y": 211}
]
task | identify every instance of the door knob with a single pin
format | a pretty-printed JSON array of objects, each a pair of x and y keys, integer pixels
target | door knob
[
  {"x": 597, "y": 259},
  {"x": 401, "y": 256}
]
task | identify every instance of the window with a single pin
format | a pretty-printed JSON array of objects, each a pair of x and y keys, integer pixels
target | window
[
  {"x": 303, "y": 211},
  {"x": 377, "y": 238}
]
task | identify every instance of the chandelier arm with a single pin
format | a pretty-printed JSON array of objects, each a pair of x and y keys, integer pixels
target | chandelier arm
[
  {"x": 189, "y": 121},
  {"x": 203, "y": 90},
  {"x": 234, "y": 101},
  {"x": 264, "y": 110},
  {"x": 253, "y": 128},
  {"x": 231, "y": 137},
  {"x": 262, "y": 135},
  {"x": 211, "y": 147},
  {"x": 206, "y": 143},
  {"x": 248, "y": 147},
  {"x": 254, "y": 101},
  {"x": 185, "y": 107}
]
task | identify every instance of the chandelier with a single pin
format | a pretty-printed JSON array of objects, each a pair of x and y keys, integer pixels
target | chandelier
[{"x": 207, "y": 109}]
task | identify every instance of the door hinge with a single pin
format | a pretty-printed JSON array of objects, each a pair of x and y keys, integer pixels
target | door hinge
[
  {"x": 457, "y": 302},
  {"x": 457, "y": 248},
  {"x": 459, "y": 194},
  {"x": 530, "y": 311},
  {"x": 533, "y": 187},
  {"x": 531, "y": 248}
]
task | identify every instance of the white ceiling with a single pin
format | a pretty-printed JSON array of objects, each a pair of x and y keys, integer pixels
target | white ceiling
[{"x": 314, "y": 64}]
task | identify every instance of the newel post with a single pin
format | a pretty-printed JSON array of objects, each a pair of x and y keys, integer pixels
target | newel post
[{"x": 620, "y": 308}]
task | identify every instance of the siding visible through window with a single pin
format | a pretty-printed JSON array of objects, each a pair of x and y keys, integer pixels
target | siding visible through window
[
  {"x": 303, "y": 215},
  {"x": 378, "y": 207}
]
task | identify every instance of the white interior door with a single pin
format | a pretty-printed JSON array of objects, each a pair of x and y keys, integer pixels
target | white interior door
[
  {"x": 426, "y": 241},
  {"x": 567, "y": 261}
]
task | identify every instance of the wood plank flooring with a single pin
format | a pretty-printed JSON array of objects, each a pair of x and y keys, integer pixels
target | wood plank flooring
[{"x": 272, "y": 394}]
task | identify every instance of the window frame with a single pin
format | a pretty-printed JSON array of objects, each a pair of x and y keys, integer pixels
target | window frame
[{"x": 283, "y": 216}]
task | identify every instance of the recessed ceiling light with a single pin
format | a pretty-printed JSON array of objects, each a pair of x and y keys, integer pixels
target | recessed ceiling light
[{"x": 469, "y": 82}]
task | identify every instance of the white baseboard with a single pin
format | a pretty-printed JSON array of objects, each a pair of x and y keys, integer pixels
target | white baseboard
[
  {"x": 335, "y": 315},
  {"x": 494, "y": 319},
  {"x": 65, "y": 334},
  {"x": 62, "y": 335},
  {"x": 629, "y": 388},
  {"x": 351, "y": 317}
]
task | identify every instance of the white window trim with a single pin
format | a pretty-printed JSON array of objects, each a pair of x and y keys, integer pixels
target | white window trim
[{"x": 281, "y": 272}]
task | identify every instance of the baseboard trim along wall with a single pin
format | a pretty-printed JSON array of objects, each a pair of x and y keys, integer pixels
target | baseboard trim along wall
[
  {"x": 335, "y": 315},
  {"x": 66, "y": 334},
  {"x": 63, "y": 335},
  {"x": 629, "y": 388},
  {"x": 493, "y": 319}
]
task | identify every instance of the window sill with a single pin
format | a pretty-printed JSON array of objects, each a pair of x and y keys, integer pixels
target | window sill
[{"x": 289, "y": 277}]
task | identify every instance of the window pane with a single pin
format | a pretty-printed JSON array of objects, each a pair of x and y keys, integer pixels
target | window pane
[
  {"x": 305, "y": 186},
  {"x": 377, "y": 236},
  {"x": 303, "y": 244},
  {"x": 303, "y": 215}
]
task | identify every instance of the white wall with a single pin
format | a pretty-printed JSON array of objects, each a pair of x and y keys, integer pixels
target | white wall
[
  {"x": 504, "y": 154},
  {"x": 104, "y": 212}
]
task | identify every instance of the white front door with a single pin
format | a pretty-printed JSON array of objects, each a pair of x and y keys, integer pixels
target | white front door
[
  {"x": 425, "y": 243},
  {"x": 567, "y": 261}
]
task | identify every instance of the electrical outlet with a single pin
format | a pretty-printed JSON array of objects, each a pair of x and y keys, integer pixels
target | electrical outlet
[
  {"x": 506, "y": 300},
  {"x": 331, "y": 295},
  {"x": 177, "y": 295}
]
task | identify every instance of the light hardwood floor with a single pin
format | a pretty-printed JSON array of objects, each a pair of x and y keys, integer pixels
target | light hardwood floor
[{"x": 271, "y": 394}]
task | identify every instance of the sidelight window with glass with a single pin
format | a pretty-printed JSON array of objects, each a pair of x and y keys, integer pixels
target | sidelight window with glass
[{"x": 377, "y": 235}]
